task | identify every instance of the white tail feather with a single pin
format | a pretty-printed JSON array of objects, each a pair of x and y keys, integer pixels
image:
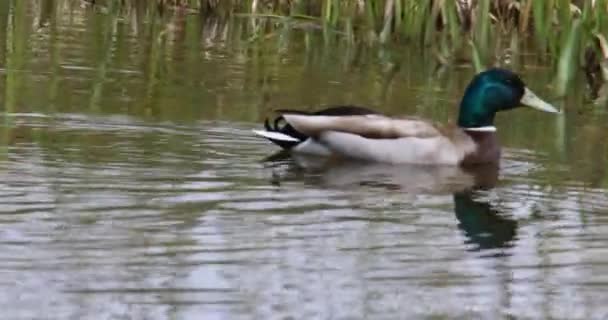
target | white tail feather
[{"x": 275, "y": 135}]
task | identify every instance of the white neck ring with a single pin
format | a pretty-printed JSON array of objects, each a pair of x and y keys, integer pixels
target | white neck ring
[{"x": 482, "y": 129}]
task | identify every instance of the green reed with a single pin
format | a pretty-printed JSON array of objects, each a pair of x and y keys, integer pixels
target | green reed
[
  {"x": 481, "y": 32},
  {"x": 561, "y": 30}
]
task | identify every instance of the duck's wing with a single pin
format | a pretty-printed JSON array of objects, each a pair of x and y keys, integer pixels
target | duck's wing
[
  {"x": 345, "y": 110},
  {"x": 372, "y": 126},
  {"x": 283, "y": 134},
  {"x": 383, "y": 139}
]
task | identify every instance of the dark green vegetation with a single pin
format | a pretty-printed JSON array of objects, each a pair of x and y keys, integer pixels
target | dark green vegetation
[
  {"x": 571, "y": 35},
  {"x": 568, "y": 36}
]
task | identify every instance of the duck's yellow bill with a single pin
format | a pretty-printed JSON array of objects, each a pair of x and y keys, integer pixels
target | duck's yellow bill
[{"x": 531, "y": 100}]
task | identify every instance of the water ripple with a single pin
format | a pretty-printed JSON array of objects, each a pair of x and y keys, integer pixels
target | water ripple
[{"x": 152, "y": 221}]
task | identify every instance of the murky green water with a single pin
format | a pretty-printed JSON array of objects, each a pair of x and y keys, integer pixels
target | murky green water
[{"x": 131, "y": 187}]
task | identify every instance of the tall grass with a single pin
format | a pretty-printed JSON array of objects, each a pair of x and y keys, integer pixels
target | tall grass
[
  {"x": 480, "y": 31},
  {"x": 484, "y": 33}
]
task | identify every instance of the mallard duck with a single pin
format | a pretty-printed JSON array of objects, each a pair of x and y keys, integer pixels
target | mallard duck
[{"x": 363, "y": 134}]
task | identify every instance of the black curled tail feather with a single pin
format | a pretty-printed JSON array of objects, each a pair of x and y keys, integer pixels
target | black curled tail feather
[
  {"x": 267, "y": 125},
  {"x": 277, "y": 121},
  {"x": 280, "y": 125}
]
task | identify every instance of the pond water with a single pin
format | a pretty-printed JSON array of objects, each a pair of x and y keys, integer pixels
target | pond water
[{"x": 131, "y": 186}]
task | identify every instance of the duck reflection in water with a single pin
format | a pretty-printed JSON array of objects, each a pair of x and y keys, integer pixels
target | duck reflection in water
[{"x": 482, "y": 223}]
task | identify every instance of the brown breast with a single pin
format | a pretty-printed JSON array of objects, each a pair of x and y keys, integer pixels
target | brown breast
[{"x": 487, "y": 151}]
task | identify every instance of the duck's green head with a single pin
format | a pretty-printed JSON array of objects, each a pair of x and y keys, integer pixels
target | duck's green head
[{"x": 495, "y": 90}]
